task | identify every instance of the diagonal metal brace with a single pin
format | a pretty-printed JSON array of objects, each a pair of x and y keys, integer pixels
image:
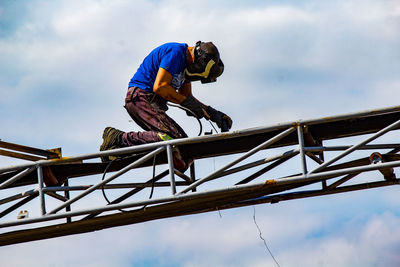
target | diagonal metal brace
[
  {"x": 248, "y": 154},
  {"x": 124, "y": 170}
]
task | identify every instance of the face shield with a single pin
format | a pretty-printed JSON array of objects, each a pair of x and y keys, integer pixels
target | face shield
[{"x": 207, "y": 65}]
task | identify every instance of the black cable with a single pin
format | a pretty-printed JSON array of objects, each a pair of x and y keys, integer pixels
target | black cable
[
  {"x": 102, "y": 187},
  {"x": 152, "y": 186},
  {"x": 153, "y": 180},
  {"x": 265, "y": 242},
  {"x": 154, "y": 175},
  {"x": 191, "y": 112},
  {"x": 194, "y": 115}
]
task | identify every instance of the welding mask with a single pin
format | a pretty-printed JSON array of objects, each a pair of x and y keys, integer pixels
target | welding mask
[{"x": 207, "y": 65}]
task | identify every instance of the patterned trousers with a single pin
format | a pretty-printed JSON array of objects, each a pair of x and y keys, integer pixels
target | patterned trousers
[{"x": 148, "y": 111}]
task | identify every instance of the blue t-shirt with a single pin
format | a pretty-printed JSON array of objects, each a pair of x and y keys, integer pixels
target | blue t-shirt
[{"x": 169, "y": 56}]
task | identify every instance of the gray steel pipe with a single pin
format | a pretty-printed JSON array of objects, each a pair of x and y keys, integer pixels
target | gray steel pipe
[
  {"x": 282, "y": 181},
  {"x": 171, "y": 169},
  {"x": 122, "y": 171},
  {"x": 353, "y": 148},
  {"x": 17, "y": 177},
  {"x": 198, "y": 139},
  {"x": 301, "y": 148},
  {"x": 248, "y": 154}
]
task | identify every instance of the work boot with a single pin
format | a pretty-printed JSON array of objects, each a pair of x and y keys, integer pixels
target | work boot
[{"x": 112, "y": 139}]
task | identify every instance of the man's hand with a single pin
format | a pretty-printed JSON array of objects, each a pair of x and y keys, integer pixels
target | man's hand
[
  {"x": 223, "y": 121},
  {"x": 193, "y": 105}
]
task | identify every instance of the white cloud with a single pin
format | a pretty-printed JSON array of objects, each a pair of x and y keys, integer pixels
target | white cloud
[
  {"x": 384, "y": 93},
  {"x": 290, "y": 230},
  {"x": 271, "y": 17},
  {"x": 65, "y": 68},
  {"x": 369, "y": 244}
]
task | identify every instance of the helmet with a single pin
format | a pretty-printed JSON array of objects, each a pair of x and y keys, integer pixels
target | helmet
[{"x": 207, "y": 65}]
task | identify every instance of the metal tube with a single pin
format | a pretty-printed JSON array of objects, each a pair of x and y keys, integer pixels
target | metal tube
[
  {"x": 67, "y": 196},
  {"x": 331, "y": 174},
  {"x": 66, "y": 188},
  {"x": 18, "y": 196},
  {"x": 241, "y": 168},
  {"x": 112, "y": 186},
  {"x": 112, "y": 207},
  {"x": 147, "y": 147},
  {"x": 282, "y": 181},
  {"x": 258, "y": 163},
  {"x": 343, "y": 180},
  {"x": 129, "y": 194},
  {"x": 199, "y": 139},
  {"x": 353, "y": 115},
  {"x": 17, "y": 177},
  {"x": 301, "y": 148},
  {"x": 40, "y": 189},
  {"x": 27, "y": 149},
  {"x": 352, "y": 148},
  {"x": 19, "y": 204},
  {"x": 310, "y": 193},
  {"x": 338, "y": 148},
  {"x": 19, "y": 155},
  {"x": 266, "y": 169},
  {"x": 187, "y": 179},
  {"x": 122, "y": 171},
  {"x": 248, "y": 154},
  {"x": 282, "y": 155},
  {"x": 171, "y": 169},
  {"x": 57, "y": 196},
  {"x": 193, "y": 175},
  {"x": 314, "y": 157}
]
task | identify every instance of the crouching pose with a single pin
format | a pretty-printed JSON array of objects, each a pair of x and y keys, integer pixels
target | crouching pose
[{"x": 166, "y": 75}]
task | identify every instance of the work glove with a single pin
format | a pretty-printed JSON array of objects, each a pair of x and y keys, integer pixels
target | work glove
[
  {"x": 223, "y": 121},
  {"x": 194, "y": 106}
]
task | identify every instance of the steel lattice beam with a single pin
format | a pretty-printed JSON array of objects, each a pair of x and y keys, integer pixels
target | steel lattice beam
[{"x": 276, "y": 145}]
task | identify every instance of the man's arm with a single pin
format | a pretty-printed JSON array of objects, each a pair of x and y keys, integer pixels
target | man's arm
[
  {"x": 162, "y": 87},
  {"x": 209, "y": 112},
  {"x": 186, "y": 90}
]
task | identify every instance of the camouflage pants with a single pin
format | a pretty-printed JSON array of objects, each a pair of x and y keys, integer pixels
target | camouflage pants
[{"x": 148, "y": 111}]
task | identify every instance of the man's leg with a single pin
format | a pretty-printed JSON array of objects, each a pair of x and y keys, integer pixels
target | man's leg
[
  {"x": 157, "y": 124},
  {"x": 149, "y": 113},
  {"x": 151, "y": 118}
]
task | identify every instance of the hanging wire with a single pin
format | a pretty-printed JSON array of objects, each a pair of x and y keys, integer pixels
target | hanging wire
[
  {"x": 219, "y": 212},
  {"x": 153, "y": 180},
  {"x": 102, "y": 187},
  {"x": 261, "y": 237},
  {"x": 104, "y": 174},
  {"x": 191, "y": 112}
]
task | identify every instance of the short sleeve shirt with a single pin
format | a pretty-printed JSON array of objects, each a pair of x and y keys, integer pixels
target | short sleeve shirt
[{"x": 169, "y": 56}]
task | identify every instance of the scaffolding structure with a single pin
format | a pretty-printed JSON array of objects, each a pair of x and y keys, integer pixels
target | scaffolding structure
[{"x": 249, "y": 176}]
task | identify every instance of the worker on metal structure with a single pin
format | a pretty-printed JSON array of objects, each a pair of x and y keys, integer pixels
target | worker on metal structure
[{"x": 166, "y": 75}]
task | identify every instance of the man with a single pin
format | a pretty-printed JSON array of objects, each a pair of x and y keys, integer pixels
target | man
[{"x": 166, "y": 75}]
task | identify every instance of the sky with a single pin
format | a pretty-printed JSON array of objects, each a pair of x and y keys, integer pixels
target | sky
[{"x": 64, "y": 71}]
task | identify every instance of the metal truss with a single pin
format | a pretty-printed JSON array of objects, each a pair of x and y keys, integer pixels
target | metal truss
[{"x": 317, "y": 173}]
